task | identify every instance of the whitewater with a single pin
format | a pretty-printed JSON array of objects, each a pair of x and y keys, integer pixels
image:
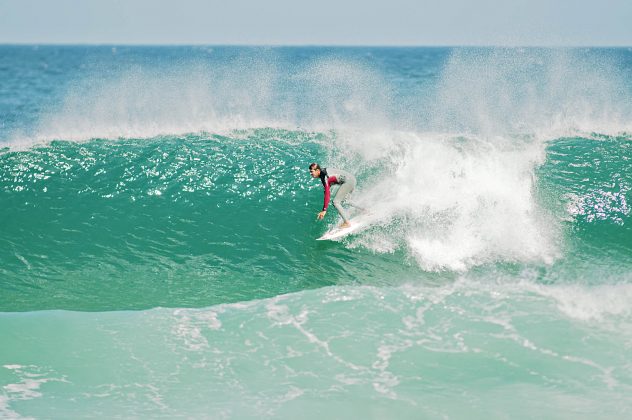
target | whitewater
[{"x": 157, "y": 233}]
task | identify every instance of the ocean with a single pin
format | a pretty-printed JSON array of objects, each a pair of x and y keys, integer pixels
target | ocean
[{"x": 158, "y": 223}]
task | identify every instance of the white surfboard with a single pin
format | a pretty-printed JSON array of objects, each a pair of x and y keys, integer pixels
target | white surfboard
[{"x": 357, "y": 224}]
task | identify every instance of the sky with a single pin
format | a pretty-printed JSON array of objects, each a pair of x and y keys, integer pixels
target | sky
[{"x": 318, "y": 22}]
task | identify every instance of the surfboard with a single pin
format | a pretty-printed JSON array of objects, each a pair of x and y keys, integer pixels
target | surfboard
[{"x": 357, "y": 224}]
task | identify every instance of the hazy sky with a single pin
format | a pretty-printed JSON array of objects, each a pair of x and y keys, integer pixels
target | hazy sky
[{"x": 319, "y": 22}]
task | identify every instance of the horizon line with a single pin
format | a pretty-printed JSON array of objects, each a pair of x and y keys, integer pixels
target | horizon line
[{"x": 297, "y": 45}]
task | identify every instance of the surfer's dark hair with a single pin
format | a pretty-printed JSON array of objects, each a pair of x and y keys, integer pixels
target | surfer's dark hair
[{"x": 314, "y": 166}]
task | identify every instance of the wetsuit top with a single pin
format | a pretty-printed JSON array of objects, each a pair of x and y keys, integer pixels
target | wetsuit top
[{"x": 330, "y": 177}]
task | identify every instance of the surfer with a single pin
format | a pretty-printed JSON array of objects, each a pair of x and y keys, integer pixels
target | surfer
[{"x": 330, "y": 177}]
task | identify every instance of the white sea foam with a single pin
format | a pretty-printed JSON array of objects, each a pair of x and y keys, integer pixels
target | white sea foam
[
  {"x": 456, "y": 201},
  {"x": 31, "y": 380},
  {"x": 585, "y": 303},
  {"x": 591, "y": 303}
]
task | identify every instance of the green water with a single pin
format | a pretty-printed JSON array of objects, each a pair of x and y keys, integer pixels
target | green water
[
  {"x": 158, "y": 223},
  {"x": 192, "y": 221}
]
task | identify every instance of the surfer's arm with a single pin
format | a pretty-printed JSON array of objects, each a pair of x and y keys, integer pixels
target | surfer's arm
[
  {"x": 327, "y": 196},
  {"x": 322, "y": 213}
]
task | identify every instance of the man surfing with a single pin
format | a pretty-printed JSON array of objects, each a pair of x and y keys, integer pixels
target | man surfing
[{"x": 331, "y": 177}]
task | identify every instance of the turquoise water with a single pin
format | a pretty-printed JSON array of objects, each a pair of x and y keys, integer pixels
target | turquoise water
[{"x": 157, "y": 226}]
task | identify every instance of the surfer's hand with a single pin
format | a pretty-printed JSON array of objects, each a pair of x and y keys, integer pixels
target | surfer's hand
[{"x": 321, "y": 215}]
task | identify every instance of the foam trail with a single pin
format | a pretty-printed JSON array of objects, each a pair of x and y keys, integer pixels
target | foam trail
[{"x": 407, "y": 350}]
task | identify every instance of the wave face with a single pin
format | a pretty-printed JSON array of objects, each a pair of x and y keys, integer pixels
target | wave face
[{"x": 157, "y": 226}]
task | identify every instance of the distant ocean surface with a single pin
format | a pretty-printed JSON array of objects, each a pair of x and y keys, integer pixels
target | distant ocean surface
[{"x": 158, "y": 223}]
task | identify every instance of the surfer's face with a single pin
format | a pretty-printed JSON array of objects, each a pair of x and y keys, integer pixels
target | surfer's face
[{"x": 314, "y": 172}]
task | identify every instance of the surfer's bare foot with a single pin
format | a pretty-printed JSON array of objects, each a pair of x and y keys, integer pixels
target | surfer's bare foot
[{"x": 345, "y": 225}]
